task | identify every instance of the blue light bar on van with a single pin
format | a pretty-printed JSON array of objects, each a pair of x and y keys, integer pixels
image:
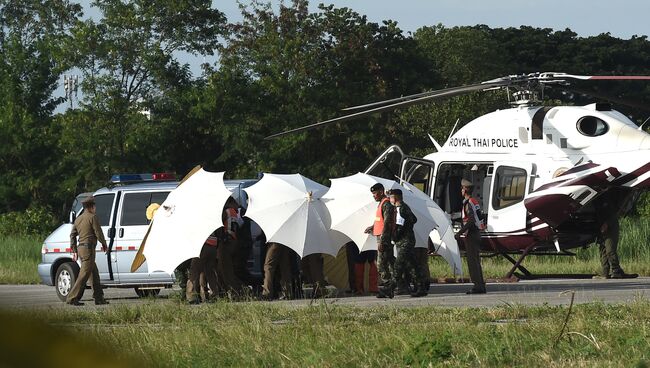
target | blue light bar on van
[
  {"x": 130, "y": 178},
  {"x": 125, "y": 178}
]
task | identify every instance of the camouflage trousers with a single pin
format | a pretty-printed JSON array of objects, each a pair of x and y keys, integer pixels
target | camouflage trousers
[
  {"x": 406, "y": 268},
  {"x": 385, "y": 264}
]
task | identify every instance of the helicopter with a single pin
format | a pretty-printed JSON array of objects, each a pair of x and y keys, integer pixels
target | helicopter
[{"x": 540, "y": 173}]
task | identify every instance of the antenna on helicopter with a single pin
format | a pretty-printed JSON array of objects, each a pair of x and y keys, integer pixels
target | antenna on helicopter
[
  {"x": 435, "y": 144},
  {"x": 642, "y": 124},
  {"x": 453, "y": 129}
]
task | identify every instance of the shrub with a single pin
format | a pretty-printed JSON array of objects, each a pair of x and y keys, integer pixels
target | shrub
[{"x": 33, "y": 221}]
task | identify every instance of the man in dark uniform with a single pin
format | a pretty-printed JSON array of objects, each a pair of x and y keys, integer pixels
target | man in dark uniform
[
  {"x": 206, "y": 264},
  {"x": 89, "y": 231},
  {"x": 607, "y": 216},
  {"x": 382, "y": 229},
  {"x": 228, "y": 244},
  {"x": 404, "y": 240},
  {"x": 472, "y": 224}
]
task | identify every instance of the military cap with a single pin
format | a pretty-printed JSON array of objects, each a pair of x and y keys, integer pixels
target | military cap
[
  {"x": 466, "y": 183},
  {"x": 377, "y": 187},
  {"x": 397, "y": 192}
]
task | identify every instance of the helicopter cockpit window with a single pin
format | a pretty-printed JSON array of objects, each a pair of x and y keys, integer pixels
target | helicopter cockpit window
[
  {"x": 510, "y": 187},
  {"x": 592, "y": 126}
]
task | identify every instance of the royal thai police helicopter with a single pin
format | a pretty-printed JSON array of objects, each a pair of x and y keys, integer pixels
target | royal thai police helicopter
[{"x": 540, "y": 173}]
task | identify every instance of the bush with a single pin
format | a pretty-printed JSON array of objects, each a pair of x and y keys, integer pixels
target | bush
[{"x": 33, "y": 221}]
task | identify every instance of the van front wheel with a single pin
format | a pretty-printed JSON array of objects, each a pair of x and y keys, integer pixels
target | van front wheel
[{"x": 65, "y": 277}]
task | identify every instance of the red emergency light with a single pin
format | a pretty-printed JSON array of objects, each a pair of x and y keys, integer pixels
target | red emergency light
[{"x": 163, "y": 176}]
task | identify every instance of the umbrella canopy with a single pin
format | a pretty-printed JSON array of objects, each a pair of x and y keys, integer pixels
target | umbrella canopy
[
  {"x": 184, "y": 221},
  {"x": 290, "y": 211},
  {"x": 433, "y": 217},
  {"x": 352, "y": 207}
]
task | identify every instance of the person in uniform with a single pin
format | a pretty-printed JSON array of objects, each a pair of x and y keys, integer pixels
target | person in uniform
[
  {"x": 89, "y": 231},
  {"x": 607, "y": 217},
  {"x": 312, "y": 270},
  {"x": 404, "y": 241},
  {"x": 205, "y": 264},
  {"x": 382, "y": 229},
  {"x": 227, "y": 247},
  {"x": 472, "y": 225},
  {"x": 422, "y": 272},
  {"x": 277, "y": 261}
]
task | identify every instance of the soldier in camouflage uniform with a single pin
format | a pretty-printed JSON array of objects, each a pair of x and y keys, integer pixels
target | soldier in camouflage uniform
[
  {"x": 404, "y": 240},
  {"x": 382, "y": 229}
]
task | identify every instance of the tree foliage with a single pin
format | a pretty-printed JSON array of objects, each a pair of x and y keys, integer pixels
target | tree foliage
[{"x": 279, "y": 68}]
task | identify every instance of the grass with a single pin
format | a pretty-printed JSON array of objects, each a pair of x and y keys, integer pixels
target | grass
[
  {"x": 19, "y": 257},
  {"x": 326, "y": 335}
]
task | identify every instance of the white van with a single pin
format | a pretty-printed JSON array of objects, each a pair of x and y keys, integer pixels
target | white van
[{"x": 121, "y": 209}]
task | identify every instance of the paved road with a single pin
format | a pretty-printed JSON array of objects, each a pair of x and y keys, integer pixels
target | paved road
[{"x": 535, "y": 292}]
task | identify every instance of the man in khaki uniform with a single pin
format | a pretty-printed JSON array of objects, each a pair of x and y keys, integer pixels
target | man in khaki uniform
[
  {"x": 89, "y": 231},
  {"x": 278, "y": 260},
  {"x": 205, "y": 264}
]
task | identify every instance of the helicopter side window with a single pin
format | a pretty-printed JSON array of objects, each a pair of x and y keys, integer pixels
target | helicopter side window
[
  {"x": 510, "y": 187},
  {"x": 592, "y": 126}
]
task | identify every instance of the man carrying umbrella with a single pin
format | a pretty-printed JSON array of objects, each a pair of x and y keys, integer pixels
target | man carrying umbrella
[
  {"x": 382, "y": 229},
  {"x": 404, "y": 240}
]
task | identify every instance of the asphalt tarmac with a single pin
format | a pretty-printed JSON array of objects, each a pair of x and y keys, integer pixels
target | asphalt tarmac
[{"x": 532, "y": 292}]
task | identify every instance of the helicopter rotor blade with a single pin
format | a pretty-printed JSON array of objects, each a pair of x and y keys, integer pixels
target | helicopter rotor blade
[
  {"x": 550, "y": 76},
  {"x": 606, "y": 97},
  {"x": 398, "y": 99},
  {"x": 401, "y": 102}
]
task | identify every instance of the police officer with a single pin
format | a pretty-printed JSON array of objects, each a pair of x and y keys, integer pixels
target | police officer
[
  {"x": 404, "y": 240},
  {"x": 607, "y": 216},
  {"x": 89, "y": 231},
  {"x": 382, "y": 229},
  {"x": 205, "y": 264},
  {"x": 277, "y": 261},
  {"x": 228, "y": 245},
  {"x": 472, "y": 224}
]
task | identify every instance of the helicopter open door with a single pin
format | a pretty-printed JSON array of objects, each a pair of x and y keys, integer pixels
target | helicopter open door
[
  {"x": 388, "y": 164},
  {"x": 510, "y": 184},
  {"x": 419, "y": 172}
]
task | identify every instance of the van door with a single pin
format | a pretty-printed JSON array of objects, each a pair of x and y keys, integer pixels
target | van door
[
  {"x": 104, "y": 207},
  {"x": 419, "y": 172},
  {"x": 132, "y": 226},
  {"x": 511, "y": 181}
]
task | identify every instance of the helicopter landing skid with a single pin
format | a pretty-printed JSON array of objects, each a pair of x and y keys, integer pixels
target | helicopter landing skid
[{"x": 527, "y": 275}]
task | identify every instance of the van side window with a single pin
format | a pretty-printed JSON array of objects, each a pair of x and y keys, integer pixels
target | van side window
[
  {"x": 159, "y": 197},
  {"x": 510, "y": 187},
  {"x": 134, "y": 209},
  {"x": 104, "y": 204}
]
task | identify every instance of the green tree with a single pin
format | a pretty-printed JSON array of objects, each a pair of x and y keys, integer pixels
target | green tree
[
  {"x": 128, "y": 58},
  {"x": 31, "y": 37}
]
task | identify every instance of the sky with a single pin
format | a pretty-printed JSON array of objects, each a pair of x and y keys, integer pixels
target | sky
[{"x": 622, "y": 18}]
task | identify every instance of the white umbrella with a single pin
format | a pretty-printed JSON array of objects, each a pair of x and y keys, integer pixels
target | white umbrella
[
  {"x": 431, "y": 216},
  {"x": 184, "y": 221},
  {"x": 353, "y": 208},
  {"x": 290, "y": 211}
]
